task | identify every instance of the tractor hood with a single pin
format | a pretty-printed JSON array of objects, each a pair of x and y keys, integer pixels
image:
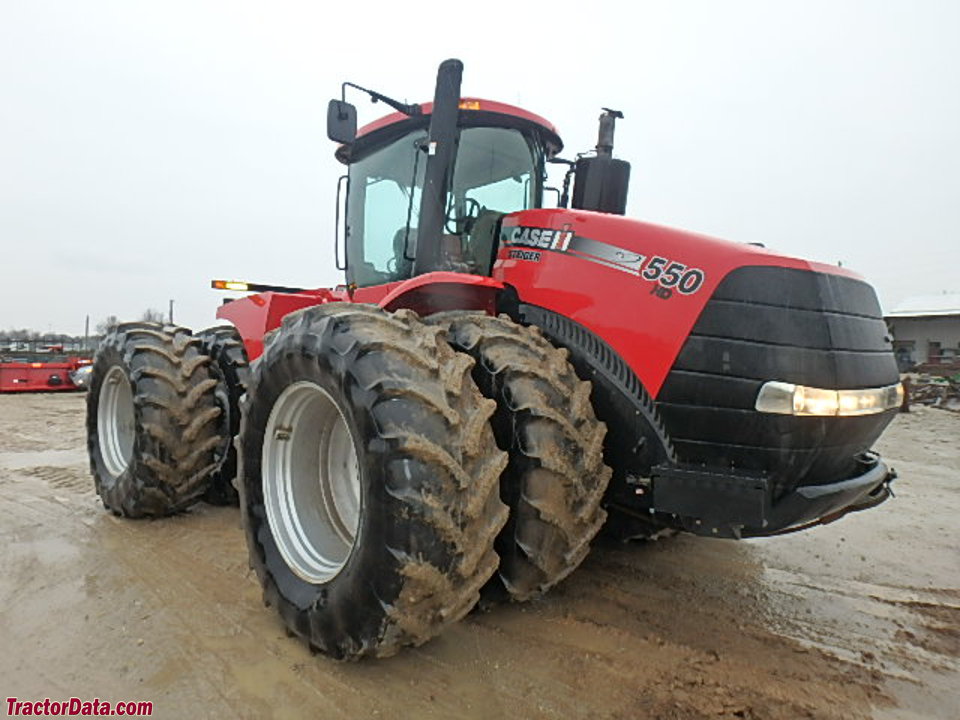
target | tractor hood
[
  {"x": 640, "y": 286},
  {"x": 712, "y": 329},
  {"x": 631, "y": 244}
]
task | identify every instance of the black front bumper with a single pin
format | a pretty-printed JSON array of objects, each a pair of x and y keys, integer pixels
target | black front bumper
[
  {"x": 715, "y": 504},
  {"x": 821, "y": 504}
]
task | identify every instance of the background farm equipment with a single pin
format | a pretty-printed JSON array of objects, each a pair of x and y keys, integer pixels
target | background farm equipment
[{"x": 25, "y": 369}]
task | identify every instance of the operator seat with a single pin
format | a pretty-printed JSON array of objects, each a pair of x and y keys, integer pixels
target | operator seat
[
  {"x": 404, "y": 267},
  {"x": 451, "y": 248},
  {"x": 483, "y": 245}
]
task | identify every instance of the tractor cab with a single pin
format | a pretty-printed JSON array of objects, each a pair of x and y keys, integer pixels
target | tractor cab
[
  {"x": 428, "y": 185},
  {"x": 497, "y": 167}
]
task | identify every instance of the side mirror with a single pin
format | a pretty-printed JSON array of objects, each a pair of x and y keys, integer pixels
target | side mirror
[{"x": 341, "y": 122}]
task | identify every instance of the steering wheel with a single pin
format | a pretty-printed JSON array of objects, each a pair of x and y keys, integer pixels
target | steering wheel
[{"x": 463, "y": 223}]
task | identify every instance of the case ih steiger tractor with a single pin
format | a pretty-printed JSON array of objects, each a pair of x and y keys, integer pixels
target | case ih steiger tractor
[{"x": 495, "y": 383}]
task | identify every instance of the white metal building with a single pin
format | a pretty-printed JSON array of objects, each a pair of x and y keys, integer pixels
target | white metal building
[{"x": 926, "y": 329}]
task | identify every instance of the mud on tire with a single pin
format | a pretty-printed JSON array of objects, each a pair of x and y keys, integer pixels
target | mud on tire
[
  {"x": 225, "y": 347},
  {"x": 556, "y": 479},
  {"x": 153, "y": 423},
  {"x": 427, "y": 468}
]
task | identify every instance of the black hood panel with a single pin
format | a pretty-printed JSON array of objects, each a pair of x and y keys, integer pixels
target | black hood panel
[{"x": 796, "y": 326}]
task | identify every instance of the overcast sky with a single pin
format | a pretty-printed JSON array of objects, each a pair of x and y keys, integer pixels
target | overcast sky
[{"x": 146, "y": 148}]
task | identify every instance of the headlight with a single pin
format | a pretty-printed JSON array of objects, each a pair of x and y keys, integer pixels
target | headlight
[
  {"x": 81, "y": 376},
  {"x": 788, "y": 399}
]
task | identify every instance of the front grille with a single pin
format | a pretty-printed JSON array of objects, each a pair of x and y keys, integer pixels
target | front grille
[{"x": 797, "y": 326}]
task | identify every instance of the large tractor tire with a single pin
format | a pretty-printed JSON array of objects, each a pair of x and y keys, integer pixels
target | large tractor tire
[
  {"x": 154, "y": 427},
  {"x": 368, "y": 479},
  {"x": 225, "y": 347},
  {"x": 636, "y": 440},
  {"x": 556, "y": 478}
]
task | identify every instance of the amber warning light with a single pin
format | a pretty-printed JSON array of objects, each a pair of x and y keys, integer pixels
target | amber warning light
[
  {"x": 238, "y": 286},
  {"x": 230, "y": 285}
]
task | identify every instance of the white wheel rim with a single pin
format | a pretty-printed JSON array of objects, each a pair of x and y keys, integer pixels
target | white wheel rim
[
  {"x": 311, "y": 482},
  {"x": 116, "y": 421}
]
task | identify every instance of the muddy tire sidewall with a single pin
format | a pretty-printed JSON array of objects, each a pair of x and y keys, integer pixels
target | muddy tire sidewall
[
  {"x": 113, "y": 489},
  {"x": 177, "y": 425},
  {"x": 412, "y": 515},
  {"x": 348, "y": 591}
]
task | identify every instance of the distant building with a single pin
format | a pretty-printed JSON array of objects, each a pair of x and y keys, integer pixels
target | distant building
[{"x": 926, "y": 330}]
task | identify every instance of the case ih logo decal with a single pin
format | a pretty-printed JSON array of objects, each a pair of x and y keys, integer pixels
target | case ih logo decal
[
  {"x": 667, "y": 274},
  {"x": 540, "y": 237}
]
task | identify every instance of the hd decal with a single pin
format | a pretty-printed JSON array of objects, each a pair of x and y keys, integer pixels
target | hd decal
[{"x": 667, "y": 274}]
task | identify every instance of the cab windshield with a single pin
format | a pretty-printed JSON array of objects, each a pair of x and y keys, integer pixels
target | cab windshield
[{"x": 496, "y": 171}]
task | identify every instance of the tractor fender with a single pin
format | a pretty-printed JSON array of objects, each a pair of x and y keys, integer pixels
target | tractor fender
[
  {"x": 256, "y": 315},
  {"x": 439, "y": 291}
]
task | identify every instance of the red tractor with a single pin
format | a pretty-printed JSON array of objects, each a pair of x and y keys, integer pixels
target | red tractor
[{"x": 495, "y": 383}]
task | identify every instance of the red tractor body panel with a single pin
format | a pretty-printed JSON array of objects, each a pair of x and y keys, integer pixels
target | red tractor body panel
[
  {"x": 256, "y": 315},
  {"x": 639, "y": 286},
  {"x": 434, "y": 292}
]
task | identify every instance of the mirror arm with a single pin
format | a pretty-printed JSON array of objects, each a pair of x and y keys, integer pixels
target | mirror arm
[
  {"x": 571, "y": 170},
  {"x": 379, "y": 97}
]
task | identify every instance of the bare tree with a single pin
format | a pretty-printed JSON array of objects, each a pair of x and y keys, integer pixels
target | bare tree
[
  {"x": 108, "y": 324},
  {"x": 152, "y": 315}
]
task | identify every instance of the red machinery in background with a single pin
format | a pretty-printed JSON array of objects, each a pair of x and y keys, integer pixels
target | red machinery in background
[{"x": 43, "y": 371}]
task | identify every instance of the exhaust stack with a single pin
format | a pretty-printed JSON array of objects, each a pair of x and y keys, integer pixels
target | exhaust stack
[
  {"x": 608, "y": 124},
  {"x": 441, "y": 148}
]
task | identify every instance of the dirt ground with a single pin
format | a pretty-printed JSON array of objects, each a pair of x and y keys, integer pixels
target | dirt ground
[{"x": 857, "y": 619}]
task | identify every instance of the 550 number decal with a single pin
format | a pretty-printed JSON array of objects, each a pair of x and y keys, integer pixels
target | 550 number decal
[{"x": 670, "y": 275}]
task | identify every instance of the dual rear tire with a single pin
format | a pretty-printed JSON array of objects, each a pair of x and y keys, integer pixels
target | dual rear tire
[
  {"x": 228, "y": 358},
  {"x": 385, "y": 536},
  {"x": 155, "y": 430},
  {"x": 556, "y": 478}
]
